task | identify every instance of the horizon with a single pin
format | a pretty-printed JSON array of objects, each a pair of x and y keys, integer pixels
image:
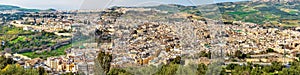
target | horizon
[{"x": 97, "y": 4}]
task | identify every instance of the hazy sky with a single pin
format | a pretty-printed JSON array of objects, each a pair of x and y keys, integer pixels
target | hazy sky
[{"x": 96, "y": 4}]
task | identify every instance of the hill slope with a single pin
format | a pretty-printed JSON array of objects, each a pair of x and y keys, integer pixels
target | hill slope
[
  {"x": 281, "y": 14},
  {"x": 11, "y": 7}
]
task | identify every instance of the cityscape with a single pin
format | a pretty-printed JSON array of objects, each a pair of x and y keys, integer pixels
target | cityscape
[{"x": 251, "y": 37}]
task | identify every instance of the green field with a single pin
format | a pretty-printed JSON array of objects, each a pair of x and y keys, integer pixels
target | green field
[
  {"x": 57, "y": 52},
  {"x": 242, "y": 14},
  {"x": 17, "y": 39},
  {"x": 13, "y": 30},
  {"x": 20, "y": 38}
]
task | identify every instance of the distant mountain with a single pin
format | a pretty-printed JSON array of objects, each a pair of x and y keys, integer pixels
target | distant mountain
[
  {"x": 266, "y": 13},
  {"x": 8, "y": 7},
  {"x": 11, "y": 7},
  {"x": 276, "y": 1}
]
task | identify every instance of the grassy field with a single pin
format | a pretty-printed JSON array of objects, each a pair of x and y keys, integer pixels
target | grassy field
[
  {"x": 13, "y": 30},
  {"x": 57, "y": 52},
  {"x": 20, "y": 38},
  {"x": 242, "y": 14}
]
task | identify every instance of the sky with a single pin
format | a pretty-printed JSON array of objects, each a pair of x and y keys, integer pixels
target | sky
[{"x": 98, "y": 4}]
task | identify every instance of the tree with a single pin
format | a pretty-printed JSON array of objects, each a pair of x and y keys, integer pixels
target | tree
[
  {"x": 241, "y": 55},
  {"x": 238, "y": 53},
  {"x": 270, "y": 50},
  {"x": 102, "y": 63},
  {"x": 204, "y": 54},
  {"x": 70, "y": 73},
  {"x": 171, "y": 68},
  {"x": 41, "y": 71},
  {"x": 231, "y": 66},
  {"x": 116, "y": 71},
  {"x": 201, "y": 69},
  {"x": 283, "y": 72},
  {"x": 256, "y": 71},
  {"x": 17, "y": 70},
  {"x": 267, "y": 69},
  {"x": 276, "y": 66},
  {"x": 5, "y": 61}
]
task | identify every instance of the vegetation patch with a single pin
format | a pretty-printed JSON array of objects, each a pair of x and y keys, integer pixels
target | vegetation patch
[
  {"x": 57, "y": 52},
  {"x": 20, "y": 38}
]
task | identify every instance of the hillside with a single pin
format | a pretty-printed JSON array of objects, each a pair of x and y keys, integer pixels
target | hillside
[
  {"x": 11, "y": 7},
  {"x": 282, "y": 14},
  {"x": 8, "y": 7},
  {"x": 275, "y": 0},
  {"x": 267, "y": 13}
]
